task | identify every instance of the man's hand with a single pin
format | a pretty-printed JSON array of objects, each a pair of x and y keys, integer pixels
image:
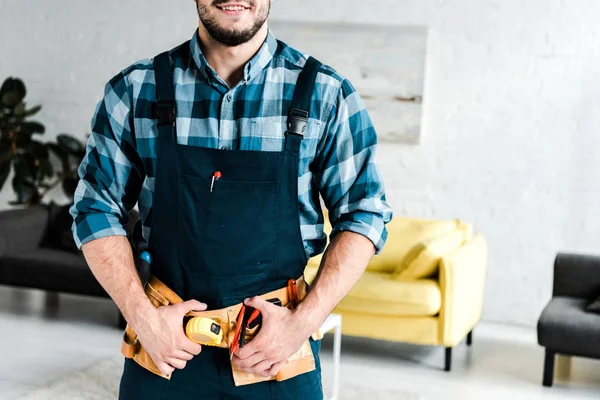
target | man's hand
[
  {"x": 280, "y": 336},
  {"x": 162, "y": 335}
]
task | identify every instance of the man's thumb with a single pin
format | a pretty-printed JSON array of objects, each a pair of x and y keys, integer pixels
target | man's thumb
[
  {"x": 259, "y": 303},
  {"x": 192, "y": 305}
]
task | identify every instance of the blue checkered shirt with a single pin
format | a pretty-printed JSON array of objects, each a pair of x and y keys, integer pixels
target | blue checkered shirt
[{"x": 337, "y": 156}]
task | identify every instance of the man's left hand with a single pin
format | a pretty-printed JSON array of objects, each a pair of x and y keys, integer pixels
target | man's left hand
[{"x": 280, "y": 336}]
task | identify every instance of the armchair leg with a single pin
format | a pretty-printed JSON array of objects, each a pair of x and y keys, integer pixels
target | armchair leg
[
  {"x": 448, "y": 364},
  {"x": 122, "y": 322},
  {"x": 470, "y": 338},
  {"x": 548, "y": 368}
]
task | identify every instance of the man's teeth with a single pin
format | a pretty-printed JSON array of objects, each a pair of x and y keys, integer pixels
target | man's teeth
[{"x": 234, "y": 8}]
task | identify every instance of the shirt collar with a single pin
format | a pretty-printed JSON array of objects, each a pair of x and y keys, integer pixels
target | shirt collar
[{"x": 256, "y": 64}]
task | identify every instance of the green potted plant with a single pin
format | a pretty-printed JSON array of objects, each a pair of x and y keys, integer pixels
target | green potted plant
[{"x": 38, "y": 166}]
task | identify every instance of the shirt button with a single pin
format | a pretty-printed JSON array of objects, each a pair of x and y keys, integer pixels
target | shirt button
[{"x": 229, "y": 97}]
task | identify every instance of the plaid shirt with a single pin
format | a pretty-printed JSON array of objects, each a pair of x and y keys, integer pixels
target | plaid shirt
[{"x": 337, "y": 157}]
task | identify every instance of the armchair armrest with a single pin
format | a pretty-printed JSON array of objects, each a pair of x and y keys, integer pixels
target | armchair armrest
[
  {"x": 576, "y": 275},
  {"x": 462, "y": 283},
  {"x": 22, "y": 229}
]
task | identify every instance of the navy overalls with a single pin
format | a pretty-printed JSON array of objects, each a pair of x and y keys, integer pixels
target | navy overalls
[{"x": 221, "y": 246}]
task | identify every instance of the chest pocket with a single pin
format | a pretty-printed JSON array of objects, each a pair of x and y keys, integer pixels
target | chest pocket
[
  {"x": 230, "y": 231},
  {"x": 269, "y": 135}
]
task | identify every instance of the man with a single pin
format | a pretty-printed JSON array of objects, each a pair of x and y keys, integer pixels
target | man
[{"x": 227, "y": 178}]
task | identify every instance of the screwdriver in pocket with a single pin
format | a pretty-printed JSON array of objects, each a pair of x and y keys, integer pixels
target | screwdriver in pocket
[{"x": 215, "y": 176}]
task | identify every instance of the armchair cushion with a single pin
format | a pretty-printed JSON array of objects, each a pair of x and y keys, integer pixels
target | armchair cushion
[
  {"x": 403, "y": 234},
  {"x": 565, "y": 326},
  {"x": 423, "y": 259},
  {"x": 378, "y": 294}
]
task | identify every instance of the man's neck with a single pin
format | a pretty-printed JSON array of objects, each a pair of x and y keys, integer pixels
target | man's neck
[{"x": 229, "y": 62}]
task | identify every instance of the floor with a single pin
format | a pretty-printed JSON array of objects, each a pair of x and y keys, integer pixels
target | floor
[{"x": 46, "y": 337}]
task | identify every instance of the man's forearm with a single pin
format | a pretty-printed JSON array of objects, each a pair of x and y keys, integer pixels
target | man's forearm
[
  {"x": 342, "y": 265},
  {"x": 111, "y": 261}
]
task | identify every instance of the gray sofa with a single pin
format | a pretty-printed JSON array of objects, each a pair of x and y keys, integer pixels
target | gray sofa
[
  {"x": 26, "y": 262},
  {"x": 565, "y": 325}
]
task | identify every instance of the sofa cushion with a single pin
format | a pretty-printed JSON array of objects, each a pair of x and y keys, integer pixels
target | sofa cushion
[
  {"x": 565, "y": 326},
  {"x": 422, "y": 260},
  {"x": 593, "y": 305},
  {"x": 58, "y": 234},
  {"x": 403, "y": 234},
  {"x": 49, "y": 269},
  {"x": 377, "y": 293},
  {"x": 21, "y": 230}
]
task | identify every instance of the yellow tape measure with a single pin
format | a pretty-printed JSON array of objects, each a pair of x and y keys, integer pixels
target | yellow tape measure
[{"x": 205, "y": 331}]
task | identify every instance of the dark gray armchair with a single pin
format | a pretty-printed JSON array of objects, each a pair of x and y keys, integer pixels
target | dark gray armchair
[
  {"x": 565, "y": 325},
  {"x": 25, "y": 262}
]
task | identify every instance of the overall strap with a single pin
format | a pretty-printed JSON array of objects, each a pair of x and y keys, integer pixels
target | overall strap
[
  {"x": 300, "y": 108},
  {"x": 165, "y": 110}
]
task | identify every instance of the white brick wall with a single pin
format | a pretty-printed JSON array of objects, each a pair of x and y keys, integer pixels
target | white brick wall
[{"x": 510, "y": 128}]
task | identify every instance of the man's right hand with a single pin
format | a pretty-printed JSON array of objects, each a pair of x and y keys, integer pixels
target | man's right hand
[{"x": 162, "y": 334}]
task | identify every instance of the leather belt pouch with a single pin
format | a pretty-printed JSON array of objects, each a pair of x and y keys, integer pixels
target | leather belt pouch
[{"x": 160, "y": 295}]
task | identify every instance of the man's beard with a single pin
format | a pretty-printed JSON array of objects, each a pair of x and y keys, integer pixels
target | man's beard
[{"x": 230, "y": 37}]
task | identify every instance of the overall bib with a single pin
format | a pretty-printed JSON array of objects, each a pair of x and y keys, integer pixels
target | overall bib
[{"x": 221, "y": 246}]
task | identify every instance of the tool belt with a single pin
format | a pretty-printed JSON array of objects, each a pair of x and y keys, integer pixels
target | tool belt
[{"x": 160, "y": 295}]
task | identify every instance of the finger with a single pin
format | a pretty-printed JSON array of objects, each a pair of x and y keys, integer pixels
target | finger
[
  {"x": 191, "y": 347},
  {"x": 250, "y": 361},
  {"x": 191, "y": 305},
  {"x": 182, "y": 355},
  {"x": 275, "y": 368},
  {"x": 260, "y": 304},
  {"x": 176, "y": 362},
  {"x": 188, "y": 345},
  {"x": 249, "y": 350},
  {"x": 165, "y": 368},
  {"x": 262, "y": 368}
]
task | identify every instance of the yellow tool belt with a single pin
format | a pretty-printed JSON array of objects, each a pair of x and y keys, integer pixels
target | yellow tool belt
[{"x": 160, "y": 295}]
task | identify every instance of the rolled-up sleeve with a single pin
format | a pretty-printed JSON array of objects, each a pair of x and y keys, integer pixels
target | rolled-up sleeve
[
  {"x": 348, "y": 176},
  {"x": 111, "y": 173}
]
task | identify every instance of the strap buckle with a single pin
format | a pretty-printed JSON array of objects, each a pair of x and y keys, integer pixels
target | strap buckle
[
  {"x": 165, "y": 112},
  {"x": 297, "y": 121}
]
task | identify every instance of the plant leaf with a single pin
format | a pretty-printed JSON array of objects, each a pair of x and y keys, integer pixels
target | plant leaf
[
  {"x": 20, "y": 110},
  {"x": 60, "y": 153},
  {"x": 37, "y": 149},
  {"x": 32, "y": 111},
  {"x": 12, "y": 92},
  {"x": 23, "y": 187},
  {"x": 24, "y": 164},
  {"x": 5, "y": 153},
  {"x": 46, "y": 168},
  {"x": 71, "y": 145},
  {"x": 4, "y": 172},
  {"x": 32, "y": 127}
]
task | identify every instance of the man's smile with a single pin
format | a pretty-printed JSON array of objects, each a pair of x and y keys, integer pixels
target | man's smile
[{"x": 233, "y": 8}]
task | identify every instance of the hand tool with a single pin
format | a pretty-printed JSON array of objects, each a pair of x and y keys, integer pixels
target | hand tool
[
  {"x": 238, "y": 327},
  {"x": 205, "y": 331},
  {"x": 293, "y": 293},
  {"x": 249, "y": 317},
  {"x": 143, "y": 267},
  {"x": 216, "y": 176},
  {"x": 202, "y": 330},
  {"x": 256, "y": 316},
  {"x": 242, "y": 338}
]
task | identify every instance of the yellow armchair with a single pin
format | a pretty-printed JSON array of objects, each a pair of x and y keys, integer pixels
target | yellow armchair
[{"x": 426, "y": 287}]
